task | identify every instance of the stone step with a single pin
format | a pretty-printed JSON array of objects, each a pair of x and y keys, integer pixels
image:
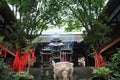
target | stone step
[{"x": 80, "y": 73}]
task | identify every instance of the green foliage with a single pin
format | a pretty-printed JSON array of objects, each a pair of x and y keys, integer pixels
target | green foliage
[
  {"x": 114, "y": 64},
  {"x": 1, "y": 38},
  {"x": 23, "y": 74},
  {"x": 34, "y": 17},
  {"x": 0, "y": 4},
  {"x": 5, "y": 73},
  {"x": 87, "y": 14},
  {"x": 102, "y": 71},
  {"x": 2, "y": 65},
  {"x": 74, "y": 15}
]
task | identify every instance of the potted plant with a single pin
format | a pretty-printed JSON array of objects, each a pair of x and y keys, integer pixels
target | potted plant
[{"x": 101, "y": 73}]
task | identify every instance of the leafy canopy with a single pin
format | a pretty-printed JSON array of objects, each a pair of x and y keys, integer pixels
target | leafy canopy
[
  {"x": 87, "y": 14},
  {"x": 38, "y": 15},
  {"x": 33, "y": 16}
]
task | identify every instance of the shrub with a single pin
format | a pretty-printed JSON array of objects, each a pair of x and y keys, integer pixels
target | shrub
[
  {"x": 114, "y": 64},
  {"x": 23, "y": 74},
  {"x": 102, "y": 71}
]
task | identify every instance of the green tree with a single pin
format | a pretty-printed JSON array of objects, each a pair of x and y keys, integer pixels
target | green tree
[
  {"x": 36, "y": 16},
  {"x": 87, "y": 14},
  {"x": 114, "y": 64},
  {"x": 33, "y": 16}
]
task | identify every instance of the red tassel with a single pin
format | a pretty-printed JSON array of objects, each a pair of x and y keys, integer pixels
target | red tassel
[
  {"x": 0, "y": 51},
  {"x": 28, "y": 57},
  {"x": 16, "y": 60},
  {"x": 96, "y": 60},
  {"x": 22, "y": 63},
  {"x": 5, "y": 52},
  {"x": 33, "y": 55},
  {"x": 99, "y": 61},
  {"x": 0, "y": 48}
]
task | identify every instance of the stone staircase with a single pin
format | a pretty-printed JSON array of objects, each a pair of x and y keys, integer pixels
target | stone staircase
[{"x": 80, "y": 73}]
